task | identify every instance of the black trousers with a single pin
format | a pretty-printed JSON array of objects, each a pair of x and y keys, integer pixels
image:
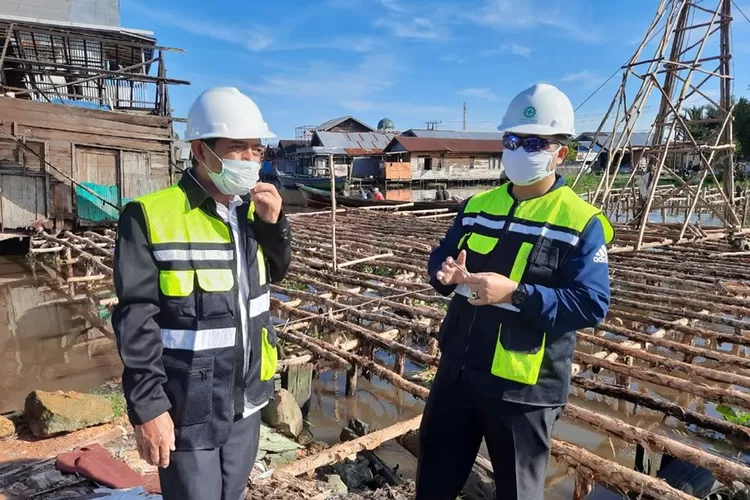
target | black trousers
[
  {"x": 217, "y": 474},
  {"x": 453, "y": 424}
]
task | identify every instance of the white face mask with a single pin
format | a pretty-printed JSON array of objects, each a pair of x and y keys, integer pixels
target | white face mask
[
  {"x": 524, "y": 169},
  {"x": 237, "y": 177}
]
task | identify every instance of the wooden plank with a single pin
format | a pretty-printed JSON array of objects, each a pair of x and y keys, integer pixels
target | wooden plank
[
  {"x": 298, "y": 381},
  {"x": 136, "y": 174},
  {"x": 86, "y": 114},
  {"x": 22, "y": 200},
  {"x": 123, "y": 142}
]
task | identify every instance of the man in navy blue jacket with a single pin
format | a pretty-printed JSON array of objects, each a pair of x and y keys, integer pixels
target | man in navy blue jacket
[{"x": 527, "y": 263}]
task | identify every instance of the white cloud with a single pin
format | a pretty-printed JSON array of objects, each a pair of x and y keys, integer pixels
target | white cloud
[
  {"x": 352, "y": 86},
  {"x": 588, "y": 78},
  {"x": 506, "y": 15},
  {"x": 452, "y": 58},
  {"x": 253, "y": 37},
  {"x": 393, "y": 6},
  {"x": 482, "y": 93},
  {"x": 359, "y": 105},
  {"x": 419, "y": 28},
  {"x": 513, "y": 48}
]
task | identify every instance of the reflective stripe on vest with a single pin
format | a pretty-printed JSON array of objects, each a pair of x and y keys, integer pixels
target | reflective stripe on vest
[
  {"x": 195, "y": 255},
  {"x": 560, "y": 216}
]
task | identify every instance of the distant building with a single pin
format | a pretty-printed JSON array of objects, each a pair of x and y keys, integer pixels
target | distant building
[
  {"x": 604, "y": 144},
  {"x": 386, "y": 124},
  {"x": 344, "y": 124},
  {"x": 426, "y": 159},
  {"x": 356, "y": 147},
  {"x": 453, "y": 134}
]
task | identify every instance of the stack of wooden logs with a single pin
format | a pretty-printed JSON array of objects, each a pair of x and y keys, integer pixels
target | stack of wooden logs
[{"x": 674, "y": 344}]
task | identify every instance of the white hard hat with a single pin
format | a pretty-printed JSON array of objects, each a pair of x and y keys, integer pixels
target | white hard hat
[
  {"x": 541, "y": 109},
  {"x": 225, "y": 112}
]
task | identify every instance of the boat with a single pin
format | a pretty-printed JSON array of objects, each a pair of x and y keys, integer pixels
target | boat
[
  {"x": 320, "y": 197},
  {"x": 290, "y": 181}
]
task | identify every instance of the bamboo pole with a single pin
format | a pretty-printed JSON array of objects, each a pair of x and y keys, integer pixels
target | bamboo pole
[
  {"x": 723, "y": 469},
  {"x": 340, "y": 451},
  {"x": 668, "y": 408}
]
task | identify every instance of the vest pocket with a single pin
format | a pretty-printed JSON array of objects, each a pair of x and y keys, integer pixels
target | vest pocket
[
  {"x": 189, "y": 388},
  {"x": 480, "y": 243},
  {"x": 215, "y": 301},
  {"x": 177, "y": 293},
  {"x": 518, "y": 354},
  {"x": 269, "y": 353}
]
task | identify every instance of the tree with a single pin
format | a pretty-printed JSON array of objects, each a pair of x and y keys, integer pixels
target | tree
[
  {"x": 742, "y": 127},
  {"x": 572, "y": 151}
]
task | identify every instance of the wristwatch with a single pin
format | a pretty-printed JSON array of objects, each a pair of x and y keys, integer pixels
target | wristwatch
[{"x": 519, "y": 296}]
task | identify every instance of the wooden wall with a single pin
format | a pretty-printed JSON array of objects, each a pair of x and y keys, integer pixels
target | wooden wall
[
  {"x": 130, "y": 151},
  {"x": 455, "y": 167}
]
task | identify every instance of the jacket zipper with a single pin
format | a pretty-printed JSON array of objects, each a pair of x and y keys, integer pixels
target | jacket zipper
[{"x": 511, "y": 213}]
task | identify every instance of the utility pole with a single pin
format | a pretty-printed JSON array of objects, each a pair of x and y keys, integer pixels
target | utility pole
[{"x": 464, "y": 116}]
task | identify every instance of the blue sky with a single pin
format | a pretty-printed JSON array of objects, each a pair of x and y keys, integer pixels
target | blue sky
[{"x": 304, "y": 62}]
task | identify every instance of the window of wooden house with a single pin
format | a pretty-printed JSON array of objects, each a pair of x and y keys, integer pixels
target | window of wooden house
[
  {"x": 471, "y": 162},
  {"x": 427, "y": 162},
  {"x": 441, "y": 162}
]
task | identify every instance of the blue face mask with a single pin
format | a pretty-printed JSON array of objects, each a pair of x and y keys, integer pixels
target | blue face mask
[{"x": 237, "y": 177}]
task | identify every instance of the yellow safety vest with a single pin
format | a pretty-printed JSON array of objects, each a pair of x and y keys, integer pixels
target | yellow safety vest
[
  {"x": 201, "y": 329},
  {"x": 551, "y": 223}
]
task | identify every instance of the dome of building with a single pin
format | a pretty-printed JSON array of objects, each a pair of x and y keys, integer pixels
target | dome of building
[{"x": 386, "y": 124}]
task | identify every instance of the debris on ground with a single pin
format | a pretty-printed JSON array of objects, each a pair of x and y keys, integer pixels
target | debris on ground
[
  {"x": 51, "y": 413},
  {"x": 97, "y": 463}
]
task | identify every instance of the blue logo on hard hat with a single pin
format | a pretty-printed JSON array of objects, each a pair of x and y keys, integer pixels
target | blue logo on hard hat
[{"x": 529, "y": 112}]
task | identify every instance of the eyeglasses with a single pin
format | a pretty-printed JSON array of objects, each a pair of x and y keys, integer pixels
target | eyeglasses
[{"x": 530, "y": 143}]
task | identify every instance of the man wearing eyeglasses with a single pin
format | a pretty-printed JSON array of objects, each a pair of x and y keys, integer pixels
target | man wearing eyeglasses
[{"x": 528, "y": 264}]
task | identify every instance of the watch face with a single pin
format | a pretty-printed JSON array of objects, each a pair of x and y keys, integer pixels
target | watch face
[{"x": 519, "y": 296}]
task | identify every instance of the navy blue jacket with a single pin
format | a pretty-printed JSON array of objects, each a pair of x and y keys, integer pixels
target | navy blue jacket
[{"x": 577, "y": 296}]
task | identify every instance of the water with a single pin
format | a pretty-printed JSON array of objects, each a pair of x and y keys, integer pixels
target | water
[{"x": 40, "y": 349}]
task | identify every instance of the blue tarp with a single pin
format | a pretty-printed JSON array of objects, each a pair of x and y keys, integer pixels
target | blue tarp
[
  {"x": 79, "y": 104},
  {"x": 94, "y": 209}
]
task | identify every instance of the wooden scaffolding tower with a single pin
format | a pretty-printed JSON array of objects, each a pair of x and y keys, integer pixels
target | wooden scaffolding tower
[{"x": 691, "y": 62}]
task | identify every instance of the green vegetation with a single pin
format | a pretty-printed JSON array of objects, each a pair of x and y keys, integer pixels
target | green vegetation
[
  {"x": 117, "y": 398},
  {"x": 735, "y": 416},
  {"x": 589, "y": 182},
  {"x": 386, "y": 272},
  {"x": 293, "y": 285},
  {"x": 572, "y": 151}
]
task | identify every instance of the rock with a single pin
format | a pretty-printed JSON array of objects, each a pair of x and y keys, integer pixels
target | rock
[
  {"x": 261, "y": 454},
  {"x": 354, "y": 474},
  {"x": 286, "y": 458},
  {"x": 272, "y": 442},
  {"x": 7, "y": 429},
  {"x": 336, "y": 484},
  {"x": 283, "y": 414},
  {"x": 51, "y": 413},
  {"x": 44, "y": 480},
  {"x": 317, "y": 446},
  {"x": 306, "y": 437}
]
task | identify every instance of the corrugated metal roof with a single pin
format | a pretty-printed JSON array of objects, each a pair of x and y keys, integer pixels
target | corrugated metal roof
[
  {"x": 426, "y": 144},
  {"x": 96, "y": 12},
  {"x": 355, "y": 144},
  {"x": 326, "y": 126},
  {"x": 453, "y": 134},
  {"x": 605, "y": 139}
]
